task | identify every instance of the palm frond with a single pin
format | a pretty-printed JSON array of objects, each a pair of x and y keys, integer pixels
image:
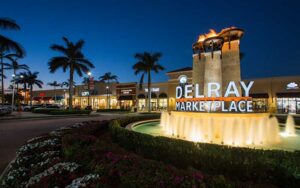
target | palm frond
[
  {"x": 7, "y": 23},
  {"x": 9, "y": 45}
]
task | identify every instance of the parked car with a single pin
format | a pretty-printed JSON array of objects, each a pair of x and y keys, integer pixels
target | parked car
[
  {"x": 4, "y": 110},
  {"x": 36, "y": 106},
  {"x": 26, "y": 107}
]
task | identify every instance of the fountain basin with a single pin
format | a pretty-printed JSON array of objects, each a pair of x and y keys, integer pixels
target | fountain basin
[{"x": 222, "y": 128}]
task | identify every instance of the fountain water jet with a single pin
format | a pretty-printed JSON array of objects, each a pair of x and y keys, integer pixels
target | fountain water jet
[
  {"x": 229, "y": 129},
  {"x": 290, "y": 126}
]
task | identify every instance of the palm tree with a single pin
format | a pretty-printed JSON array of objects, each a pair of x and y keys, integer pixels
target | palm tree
[
  {"x": 147, "y": 62},
  {"x": 32, "y": 80},
  {"x": 22, "y": 79},
  {"x": 15, "y": 66},
  {"x": 72, "y": 59},
  {"x": 6, "y": 46},
  {"x": 54, "y": 84},
  {"x": 107, "y": 77},
  {"x": 85, "y": 80}
]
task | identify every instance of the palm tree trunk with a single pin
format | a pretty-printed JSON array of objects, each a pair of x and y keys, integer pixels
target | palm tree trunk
[
  {"x": 71, "y": 88},
  {"x": 55, "y": 94},
  {"x": 2, "y": 79},
  {"x": 25, "y": 88},
  {"x": 108, "y": 97},
  {"x": 149, "y": 92},
  {"x": 31, "y": 95}
]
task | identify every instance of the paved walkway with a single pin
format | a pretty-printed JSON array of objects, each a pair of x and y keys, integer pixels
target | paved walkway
[{"x": 14, "y": 133}]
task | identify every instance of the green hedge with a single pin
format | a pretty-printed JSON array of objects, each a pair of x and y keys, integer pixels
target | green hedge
[
  {"x": 263, "y": 166},
  {"x": 59, "y": 111},
  {"x": 112, "y": 110},
  {"x": 65, "y": 112},
  {"x": 43, "y": 110}
]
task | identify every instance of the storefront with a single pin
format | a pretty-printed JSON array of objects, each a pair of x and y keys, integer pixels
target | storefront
[
  {"x": 126, "y": 95},
  {"x": 260, "y": 102},
  {"x": 288, "y": 102}
]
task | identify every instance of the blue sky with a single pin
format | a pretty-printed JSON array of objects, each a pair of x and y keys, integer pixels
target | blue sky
[{"x": 115, "y": 30}]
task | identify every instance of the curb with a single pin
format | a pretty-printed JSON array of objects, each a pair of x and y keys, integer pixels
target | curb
[{"x": 7, "y": 168}]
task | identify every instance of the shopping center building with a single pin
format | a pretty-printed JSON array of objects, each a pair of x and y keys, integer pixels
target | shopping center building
[{"x": 216, "y": 58}]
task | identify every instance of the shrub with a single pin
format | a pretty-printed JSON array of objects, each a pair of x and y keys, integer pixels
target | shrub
[
  {"x": 264, "y": 166},
  {"x": 43, "y": 110},
  {"x": 59, "y": 111},
  {"x": 112, "y": 110},
  {"x": 66, "y": 112}
]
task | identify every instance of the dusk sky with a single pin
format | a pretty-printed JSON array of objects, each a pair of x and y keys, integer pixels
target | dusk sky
[{"x": 115, "y": 30}]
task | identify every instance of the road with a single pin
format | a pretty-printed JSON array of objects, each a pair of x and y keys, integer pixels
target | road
[{"x": 14, "y": 133}]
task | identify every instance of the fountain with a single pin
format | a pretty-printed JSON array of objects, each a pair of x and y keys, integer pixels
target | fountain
[
  {"x": 215, "y": 105},
  {"x": 290, "y": 126},
  {"x": 229, "y": 128}
]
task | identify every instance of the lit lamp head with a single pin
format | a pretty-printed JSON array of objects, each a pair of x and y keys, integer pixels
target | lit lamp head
[{"x": 89, "y": 74}]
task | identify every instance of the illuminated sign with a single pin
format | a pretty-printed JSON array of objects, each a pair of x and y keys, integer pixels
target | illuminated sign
[
  {"x": 126, "y": 91},
  {"x": 292, "y": 85},
  {"x": 182, "y": 79},
  {"x": 85, "y": 93},
  {"x": 152, "y": 89},
  {"x": 189, "y": 99}
]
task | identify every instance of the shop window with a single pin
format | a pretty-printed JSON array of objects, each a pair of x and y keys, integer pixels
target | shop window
[
  {"x": 142, "y": 104},
  {"x": 163, "y": 104},
  {"x": 260, "y": 104},
  {"x": 288, "y": 105}
]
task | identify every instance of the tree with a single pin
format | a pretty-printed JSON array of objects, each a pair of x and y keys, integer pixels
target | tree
[
  {"x": 54, "y": 84},
  {"x": 107, "y": 77},
  {"x": 32, "y": 80},
  {"x": 6, "y": 46},
  {"x": 147, "y": 62},
  {"x": 85, "y": 80},
  {"x": 73, "y": 59},
  {"x": 22, "y": 79},
  {"x": 15, "y": 66}
]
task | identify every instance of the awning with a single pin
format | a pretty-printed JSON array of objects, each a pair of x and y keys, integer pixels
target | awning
[
  {"x": 288, "y": 95},
  {"x": 47, "y": 98},
  {"x": 153, "y": 95},
  {"x": 141, "y": 96},
  {"x": 162, "y": 96},
  {"x": 125, "y": 97},
  {"x": 58, "y": 98},
  {"x": 259, "y": 95}
]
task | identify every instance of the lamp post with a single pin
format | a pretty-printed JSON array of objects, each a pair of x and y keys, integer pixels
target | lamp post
[
  {"x": 89, "y": 74},
  {"x": 13, "y": 93},
  {"x": 108, "y": 102}
]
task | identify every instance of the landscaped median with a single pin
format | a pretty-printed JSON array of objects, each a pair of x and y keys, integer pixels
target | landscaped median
[
  {"x": 105, "y": 154},
  {"x": 113, "y": 110},
  {"x": 60, "y": 111}
]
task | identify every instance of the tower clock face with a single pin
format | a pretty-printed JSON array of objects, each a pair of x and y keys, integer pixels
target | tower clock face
[{"x": 182, "y": 79}]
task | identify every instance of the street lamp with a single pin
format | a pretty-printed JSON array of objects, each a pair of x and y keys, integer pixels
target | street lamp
[
  {"x": 89, "y": 74},
  {"x": 13, "y": 93},
  {"x": 108, "y": 102}
]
